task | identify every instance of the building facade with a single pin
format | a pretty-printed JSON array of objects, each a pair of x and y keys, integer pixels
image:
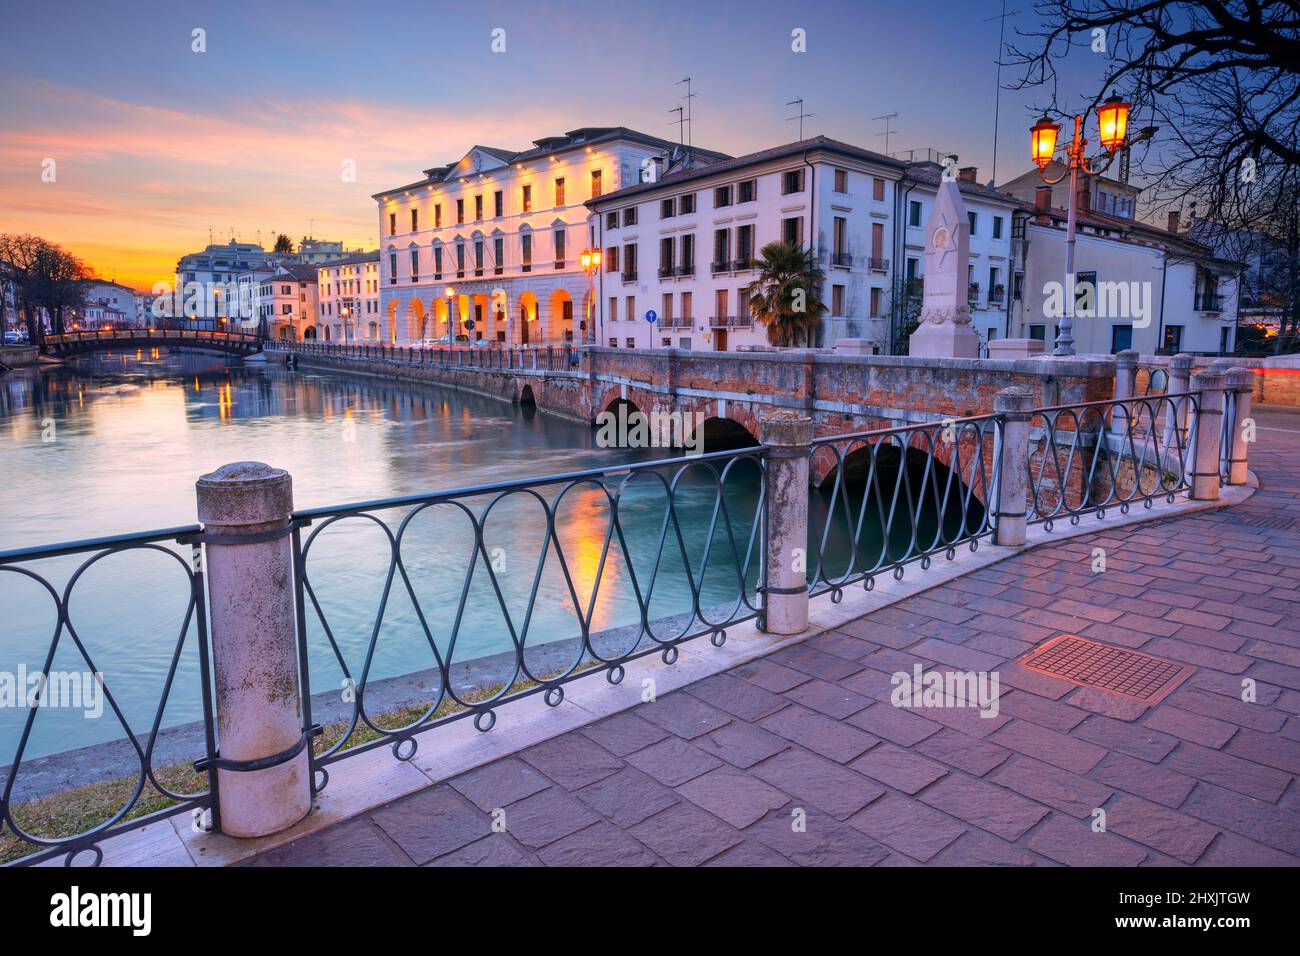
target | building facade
[
  {"x": 115, "y": 303},
  {"x": 489, "y": 248},
  {"x": 686, "y": 248},
  {"x": 220, "y": 282},
  {"x": 349, "y": 309},
  {"x": 286, "y": 304}
]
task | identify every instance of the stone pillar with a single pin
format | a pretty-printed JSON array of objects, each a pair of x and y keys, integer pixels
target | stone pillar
[
  {"x": 1209, "y": 430},
  {"x": 245, "y": 508},
  {"x": 786, "y": 558},
  {"x": 1125, "y": 388},
  {"x": 1180, "y": 381},
  {"x": 1012, "y": 503},
  {"x": 1241, "y": 383}
]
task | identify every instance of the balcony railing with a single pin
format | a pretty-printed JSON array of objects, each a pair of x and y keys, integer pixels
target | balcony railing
[
  {"x": 973, "y": 293},
  {"x": 722, "y": 266},
  {"x": 629, "y": 275},
  {"x": 1209, "y": 302},
  {"x": 686, "y": 269},
  {"x": 720, "y": 321},
  {"x": 665, "y": 272},
  {"x": 843, "y": 259},
  {"x": 877, "y": 264},
  {"x": 997, "y": 296},
  {"x": 740, "y": 321},
  {"x": 559, "y": 264},
  {"x": 743, "y": 264}
]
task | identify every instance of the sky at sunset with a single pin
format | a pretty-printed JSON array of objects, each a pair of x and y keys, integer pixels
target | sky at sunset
[{"x": 155, "y": 144}]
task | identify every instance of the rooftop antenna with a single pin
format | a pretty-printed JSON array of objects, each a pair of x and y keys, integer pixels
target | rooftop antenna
[
  {"x": 997, "y": 95},
  {"x": 800, "y": 116},
  {"x": 690, "y": 132},
  {"x": 887, "y": 132},
  {"x": 681, "y": 124}
]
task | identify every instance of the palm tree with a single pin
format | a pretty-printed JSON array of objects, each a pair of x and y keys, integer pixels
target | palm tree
[{"x": 786, "y": 296}]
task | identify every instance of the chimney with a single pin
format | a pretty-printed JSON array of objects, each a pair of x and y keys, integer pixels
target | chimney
[
  {"x": 967, "y": 174},
  {"x": 1173, "y": 220}
]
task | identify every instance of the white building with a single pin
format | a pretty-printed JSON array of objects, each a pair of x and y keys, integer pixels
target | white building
[
  {"x": 685, "y": 246},
  {"x": 285, "y": 303},
  {"x": 115, "y": 303},
  {"x": 1155, "y": 290},
  {"x": 213, "y": 283},
  {"x": 494, "y": 240},
  {"x": 348, "y": 291}
]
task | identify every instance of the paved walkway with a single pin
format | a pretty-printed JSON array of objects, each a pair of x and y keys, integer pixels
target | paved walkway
[{"x": 718, "y": 773}]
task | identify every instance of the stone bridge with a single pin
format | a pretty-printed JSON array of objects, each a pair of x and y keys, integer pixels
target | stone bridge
[{"x": 730, "y": 391}]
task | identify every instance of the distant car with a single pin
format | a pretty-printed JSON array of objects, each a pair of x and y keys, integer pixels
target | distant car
[
  {"x": 483, "y": 344},
  {"x": 431, "y": 343}
]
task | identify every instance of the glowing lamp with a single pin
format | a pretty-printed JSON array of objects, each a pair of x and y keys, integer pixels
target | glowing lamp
[
  {"x": 1042, "y": 140},
  {"x": 1112, "y": 123}
]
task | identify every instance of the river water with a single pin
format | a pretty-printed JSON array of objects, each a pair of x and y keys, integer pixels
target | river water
[{"x": 113, "y": 443}]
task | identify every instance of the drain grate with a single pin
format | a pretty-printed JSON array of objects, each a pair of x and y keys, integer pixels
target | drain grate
[
  {"x": 1255, "y": 520},
  {"x": 1113, "y": 669}
]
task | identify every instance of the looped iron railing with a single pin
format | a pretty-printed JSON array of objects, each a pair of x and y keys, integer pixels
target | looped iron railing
[
  {"x": 1151, "y": 380},
  {"x": 25, "y": 820},
  {"x": 685, "y": 551},
  {"x": 1091, "y": 457},
  {"x": 901, "y": 495}
]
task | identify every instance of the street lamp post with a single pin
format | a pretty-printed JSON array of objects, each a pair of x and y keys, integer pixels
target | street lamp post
[
  {"x": 450, "y": 294},
  {"x": 591, "y": 265},
  {"x": 1112, "y": 124}
]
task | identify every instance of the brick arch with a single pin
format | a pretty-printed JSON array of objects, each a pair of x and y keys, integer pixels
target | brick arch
[{"x": 824, "y": 463}]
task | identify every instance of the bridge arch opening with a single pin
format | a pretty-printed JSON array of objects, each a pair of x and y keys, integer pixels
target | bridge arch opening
[
  {"x": 725, "y": 434},
  {"x": 526, "y": 396}
]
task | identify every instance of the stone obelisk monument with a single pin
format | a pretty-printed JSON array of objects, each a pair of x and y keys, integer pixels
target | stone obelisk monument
[{"x": 945, "y": 330}]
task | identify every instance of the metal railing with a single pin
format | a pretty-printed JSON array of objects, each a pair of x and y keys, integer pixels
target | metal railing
[
  {"x": 22, "y": 810},
  {"x": 1152, "y": 380},
  {"x": 496, "y": 355},
  {"x": 1091, "y": 457},
  {"x": 730, "y": 547},
  {"x": 676, "y": 548},
  {"x": 902, "y": 495}
]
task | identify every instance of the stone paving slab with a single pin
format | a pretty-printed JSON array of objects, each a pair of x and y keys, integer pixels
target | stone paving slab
[{"x": 800, "y": 758}]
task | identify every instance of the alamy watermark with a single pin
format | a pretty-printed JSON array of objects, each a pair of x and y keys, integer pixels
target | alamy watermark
[
  {"x": 628, "y": 427},
  {"x": 920, "y": 690},
  {"x": 68, "y": 690}
]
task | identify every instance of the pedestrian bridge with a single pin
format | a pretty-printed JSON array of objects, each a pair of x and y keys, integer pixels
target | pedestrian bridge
[{"x": 76, "y": 343}]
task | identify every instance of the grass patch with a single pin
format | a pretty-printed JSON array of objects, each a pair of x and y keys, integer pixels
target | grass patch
[{"x": 65, "y": 814}]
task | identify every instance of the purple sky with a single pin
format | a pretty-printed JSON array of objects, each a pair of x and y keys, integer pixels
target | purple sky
[{"x": 154, "y": 143}]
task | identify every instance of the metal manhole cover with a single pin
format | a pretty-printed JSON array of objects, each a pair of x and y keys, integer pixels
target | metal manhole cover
[
  {"x": 1089, "y": 664},
  {"x": 1253, "y": 520}
]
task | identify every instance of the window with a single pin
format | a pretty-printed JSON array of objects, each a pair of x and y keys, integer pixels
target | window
[
  {"x": 611, "y": 220},
  {"x": 559, "y": 248},
  {"x": 913, "y": 213},
  {"x": 997, "y": 227},
  {"x": 792, "y": 230},
  {"x": 1085, "y": 293},
  {"x": 559, "y": 191},
  {"x": 629, "y": 310},
  {"x": 686, "y": 204},
  {"x": 526, "y": 252},
  {"x": 526, "y": 198},
  {"x": 460, "y": 260},
  {"x": 720, "y": 303},
  {"x": 1038, "y": 332},
  {"x": 1018, "y": 286},
  {"x": 877, "y": 245},
  {"x": 721, "y": 197},
  {"x": 415, "y": 220},
  {"x": 875, "y": 303},
  {"x": 688, "y": 256},
  {"x": 498, "y": 204},
  {"x": 878, "y": 189},
  {"x": 791, "y": 182},
  {"x": 666, "y": 310},
  {"x": 613, "y": 342},
  {"x": 840, "y": 246},
  {"x": 611, "y": 259},
  {"x": 745, "y": 244},
  {"x": 837, "y": 300},
  {"x": 667, "y": 208},
  {"x": 1225, "y": 340},
  {"x": 595, "y": 183},
  {"x": 437, "y": 262},
  {"x": 415, "y": 265},
  {"x": 629, "y": 216},
  {"x": 631, "y": 343},
  {"x": 1174, "y": 338},
  {"x": 392, "y": 267},
  {"x": 1121, "y": 338},
  {"x": 478, "y": 208},
  {"x": 437, "y": 216},
  {"x": 460, "y": 211},
  {"x": 498, "y": 255},
  {"x": 392, "y": 223},
  {"x": 666, "y": 249},
  {"x": 841, "y": 180},
  {"x": 973, "y": 218},
  {"x": 721, "y": 247},
  {"x": 629, "y": 262},
  {"x": 686, "y": 305},
  {"x": 748, "y": 190},
  {"x": 613, "y": 309}
]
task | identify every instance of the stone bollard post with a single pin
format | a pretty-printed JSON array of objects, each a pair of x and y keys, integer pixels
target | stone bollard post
[
  {"x": 1241, "y": 383},
  {"x": 785, "y": 558},
  {"x": 1180, "y": 382},
  {"x": 1126, "y": 363},
  {"x": 245, "y": 508},
  {"x": 1209, "y": 432},
  {"x": 1012, "y": 508}
]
